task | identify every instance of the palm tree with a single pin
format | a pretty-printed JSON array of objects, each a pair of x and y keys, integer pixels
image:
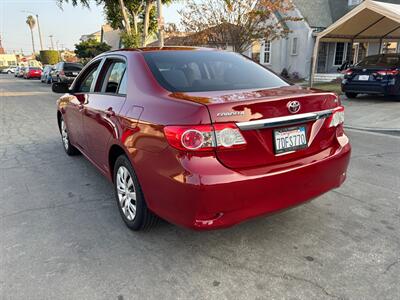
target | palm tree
[{"x": 30, "y": 20}]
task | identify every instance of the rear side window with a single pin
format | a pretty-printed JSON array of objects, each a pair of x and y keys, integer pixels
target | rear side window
[
  {"x": 113, "y": 71},
  {"x": 72, "y": 67},
  {"x": 198, "y": 71},
  {"x": 389, "y": 61}
]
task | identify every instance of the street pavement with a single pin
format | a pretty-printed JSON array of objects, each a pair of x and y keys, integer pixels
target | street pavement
[{"x": 61, "y": 236}]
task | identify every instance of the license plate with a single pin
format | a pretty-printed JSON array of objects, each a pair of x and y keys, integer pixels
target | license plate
[
  {"x": 363, "y": 77},
  {"x": 290, "y": 139},
  {"x": 75, "y": 73}
]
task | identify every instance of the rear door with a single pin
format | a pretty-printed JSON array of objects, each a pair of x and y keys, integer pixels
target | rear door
[{"x": 102, "y": 109}]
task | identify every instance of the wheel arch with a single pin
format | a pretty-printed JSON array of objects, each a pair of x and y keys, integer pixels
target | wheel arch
[{"x": 114, "y": 152}]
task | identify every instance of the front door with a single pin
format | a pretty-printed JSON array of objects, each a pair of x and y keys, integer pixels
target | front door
[{"x": 100, "y": 119}]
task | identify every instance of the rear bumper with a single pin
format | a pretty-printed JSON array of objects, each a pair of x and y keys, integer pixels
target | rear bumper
[
  {"x": 371, "y": 88},
  {"x": 202, "y": 194}
]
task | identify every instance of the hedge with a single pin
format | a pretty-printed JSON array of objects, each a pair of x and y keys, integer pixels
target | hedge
[{"x": 49, "y": 57}]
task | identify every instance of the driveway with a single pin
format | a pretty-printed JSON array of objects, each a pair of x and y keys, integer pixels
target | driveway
[
  {"x": 373, "y": 112},
  {"x": 61, "y": 236}
]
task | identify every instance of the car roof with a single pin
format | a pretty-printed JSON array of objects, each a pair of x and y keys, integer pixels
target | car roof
[{"x": 160, "y": 49}]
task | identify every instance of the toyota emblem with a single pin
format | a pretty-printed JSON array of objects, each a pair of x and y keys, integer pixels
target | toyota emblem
[{"x": 293, "y": 106}]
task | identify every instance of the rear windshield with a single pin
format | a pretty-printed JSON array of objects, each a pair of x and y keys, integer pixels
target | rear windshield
[
  {"x": 380, "y": 61},
  {"x": 72, "y": 67},
  {"x": 200, "y": 71},
  {"x": 34, "y": 68}
]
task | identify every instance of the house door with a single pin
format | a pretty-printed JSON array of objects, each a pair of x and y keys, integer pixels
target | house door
[{"x": 322, "y": 57}]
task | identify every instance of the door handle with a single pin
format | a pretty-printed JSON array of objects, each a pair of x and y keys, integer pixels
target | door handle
[{"x": 110, "y": 112}]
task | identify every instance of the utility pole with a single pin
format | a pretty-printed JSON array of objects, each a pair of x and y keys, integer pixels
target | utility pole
[
  {"x": 160, "y": 24},
  {"x": 51, "y": 40}
]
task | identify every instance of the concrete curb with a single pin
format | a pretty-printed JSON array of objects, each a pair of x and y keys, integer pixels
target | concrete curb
[{"x": 374, "y": 129}]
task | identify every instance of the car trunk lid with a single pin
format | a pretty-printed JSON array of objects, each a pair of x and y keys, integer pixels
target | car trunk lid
[{"x": 263, "y": 114}]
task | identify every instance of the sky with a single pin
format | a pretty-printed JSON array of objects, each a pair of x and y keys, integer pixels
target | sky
[{"x": 65, "y": 25}]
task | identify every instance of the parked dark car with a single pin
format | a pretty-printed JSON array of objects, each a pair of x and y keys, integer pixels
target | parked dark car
[
  {"x": 202, "y": 138},
  {"x": 376, "y": 74},
  {"x": 46, "y": 77},
  {"x": 65, "y": 72}
]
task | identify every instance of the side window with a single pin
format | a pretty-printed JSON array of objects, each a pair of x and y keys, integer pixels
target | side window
[
  {"x": 122, "y": 85},
  {"x": 85, "y": 84},
  {"x": 113, "y": 74}
]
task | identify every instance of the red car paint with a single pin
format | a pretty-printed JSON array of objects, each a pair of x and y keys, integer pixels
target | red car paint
[
  {"x": 33, "y": 73},
  {"x": 217, "y": 187}
]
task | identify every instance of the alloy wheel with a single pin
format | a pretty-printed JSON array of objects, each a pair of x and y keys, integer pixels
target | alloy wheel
[{"x": 126, "y": 193}]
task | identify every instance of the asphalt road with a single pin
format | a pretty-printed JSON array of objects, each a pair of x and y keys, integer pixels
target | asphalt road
[{"x": 61, "y": 236}]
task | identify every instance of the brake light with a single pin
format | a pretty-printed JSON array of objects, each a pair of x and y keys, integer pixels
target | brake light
[
  {"x": 204, "y": 137},
  {"x": 348, "y": 72},
  {"x": 388, "y": 72},
  {"x": 337, "y": 117}
]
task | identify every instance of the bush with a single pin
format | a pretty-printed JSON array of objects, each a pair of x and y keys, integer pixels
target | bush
[
  {"x": 130, "y": 40},
  {"x": 285, "y": 73},
  {"x": 49, "y": 57}
]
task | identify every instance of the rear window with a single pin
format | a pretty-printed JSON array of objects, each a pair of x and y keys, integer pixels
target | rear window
[
  {"x": 199, "y": 71},
  {"x": 380, "y": 61},
  {"x": 34, "y": 68},
  {"x": 72, "y": 67}
]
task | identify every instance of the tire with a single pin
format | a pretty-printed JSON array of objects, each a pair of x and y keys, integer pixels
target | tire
[
  {"x": 68, "y": 147},
  {"x": 133, "y": 209},
  {"x": 351, "y": 95}
]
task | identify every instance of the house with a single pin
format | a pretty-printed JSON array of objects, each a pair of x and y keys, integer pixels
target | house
[
  {"x": 110, "y": 36},
  {"x": 92, "y": 36},
  {"x": 294, "y": 53}
]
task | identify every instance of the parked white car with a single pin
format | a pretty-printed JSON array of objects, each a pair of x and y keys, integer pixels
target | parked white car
[{"x": 9, "y": 70}]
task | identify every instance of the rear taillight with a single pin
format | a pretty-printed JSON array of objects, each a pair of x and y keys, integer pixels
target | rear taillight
[
  {"x": 388, "y": 72},
  {"x": 348, "y": 72},
  {"x": 204, "y": 137},
  {"x": 337, "y": 117}
]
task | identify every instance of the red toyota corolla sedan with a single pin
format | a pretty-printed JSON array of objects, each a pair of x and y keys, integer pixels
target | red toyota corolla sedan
[{"x": 202, "y": 138}]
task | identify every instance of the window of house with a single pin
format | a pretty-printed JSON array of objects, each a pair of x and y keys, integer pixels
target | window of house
[
  {"x": 255, "y": 51},
  {"x": 295, "y": 46},
  {"x": 267, "y": 52},
  {"x": 340, "y": 54},
  {"x": 354, "y": 2}
]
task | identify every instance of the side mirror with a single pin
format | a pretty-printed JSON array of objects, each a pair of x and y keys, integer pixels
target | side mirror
[{"x": 60, "y": 87}]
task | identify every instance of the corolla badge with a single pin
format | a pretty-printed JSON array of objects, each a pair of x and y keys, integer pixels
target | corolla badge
[
  {"x": 230, "y": 113},
  {"x": 293, "y": 106}
]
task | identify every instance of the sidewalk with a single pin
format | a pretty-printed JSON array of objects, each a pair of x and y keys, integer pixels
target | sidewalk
[{"x": 372, "y": 113}]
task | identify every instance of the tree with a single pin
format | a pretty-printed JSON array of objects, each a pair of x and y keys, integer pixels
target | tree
[
  {"x": 137, "y": 18},
  {"x": 86, "y": 50},
  {"x": 30, "y": 20},
  {"x": 238, "y": 23}
]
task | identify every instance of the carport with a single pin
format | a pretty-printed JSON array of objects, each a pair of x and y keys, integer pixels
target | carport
[{"x": 371, "y": 21}]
